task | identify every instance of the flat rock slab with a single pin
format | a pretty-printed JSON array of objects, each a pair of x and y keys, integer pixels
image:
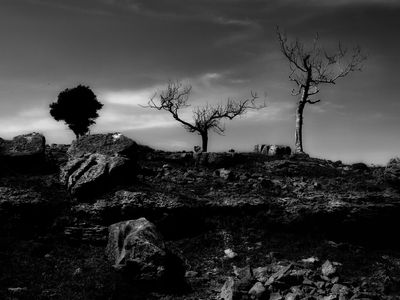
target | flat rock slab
[
  {"x": 107, "y": 144},
  {"x": 369, "y": 215}
]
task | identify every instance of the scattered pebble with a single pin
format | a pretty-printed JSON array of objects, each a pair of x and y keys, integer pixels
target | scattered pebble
[{"x": 229, "y": 253}]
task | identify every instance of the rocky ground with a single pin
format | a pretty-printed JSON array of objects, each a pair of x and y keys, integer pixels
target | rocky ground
[{"x": 243, "y": 226}]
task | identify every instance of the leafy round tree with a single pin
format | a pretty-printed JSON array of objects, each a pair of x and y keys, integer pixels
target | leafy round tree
[{"x": 77, "y": 107}]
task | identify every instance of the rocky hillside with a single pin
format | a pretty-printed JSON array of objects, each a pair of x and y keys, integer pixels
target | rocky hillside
[{"x": 106, "y": 218}]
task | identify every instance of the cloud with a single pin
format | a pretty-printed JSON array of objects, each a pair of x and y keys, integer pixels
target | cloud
[
  {"x": 27, "y": 121},
  {"x": 123, "y": 109},
  {"x": 129, "y": 97},
  {"x": 275, "y": 111},
  {"x": 327, "y": 106},
  {"x": 354, "y": 2}
]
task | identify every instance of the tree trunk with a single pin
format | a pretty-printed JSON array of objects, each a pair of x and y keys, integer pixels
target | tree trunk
[
  {"x": 204, "y": 140},
  {"x": 299, "y": 128}
]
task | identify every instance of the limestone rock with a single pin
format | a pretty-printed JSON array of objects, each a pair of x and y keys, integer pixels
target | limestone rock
[
  {"x": 392, "y": 172},
  {"x": 273, "y": 150},
  {"x": 27, "y": 145},
  {"x": 107, "y": 144},
  {"x": 91, "y": 172},
  {"x": 23, "y": 152},
  {"x": 225, "y": 174},
  {"x": 137, "y": 249}
]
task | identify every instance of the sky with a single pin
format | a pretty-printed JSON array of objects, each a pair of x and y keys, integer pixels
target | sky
[{"x": 127, "y": 50}]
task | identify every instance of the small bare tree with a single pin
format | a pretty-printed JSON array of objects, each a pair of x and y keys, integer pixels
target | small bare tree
[
  {"x": 313, "y": 66},
  {"x": 175, "y": 97}
]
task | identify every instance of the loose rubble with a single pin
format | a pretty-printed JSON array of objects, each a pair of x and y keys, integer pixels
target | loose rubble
[{"x": 288, "y": 280}]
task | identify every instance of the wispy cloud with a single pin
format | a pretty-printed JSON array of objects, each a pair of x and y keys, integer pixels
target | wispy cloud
[
  {"x": 327, "y": 106},
  {"x": 354, "y": 2},
  {"x": 27, "y": 121}
]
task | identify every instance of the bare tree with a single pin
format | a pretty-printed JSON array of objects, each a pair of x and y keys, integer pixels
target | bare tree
[
  {"x": 313, "y": 66},
  {"x": 175, "y": 97}
]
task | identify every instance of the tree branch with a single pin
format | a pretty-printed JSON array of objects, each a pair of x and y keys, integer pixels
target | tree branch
[{"x": 313, "y": 101}]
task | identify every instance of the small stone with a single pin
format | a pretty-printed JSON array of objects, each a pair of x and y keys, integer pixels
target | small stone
[
  {"x": 166, "y": 167},
  {"x": 226, "y": 174},
  {"x": 257, "y": 291},
  {"x": 310, "y": 260},
  {"x": 261, "y": 273},
  {"x": 292, "y": 296},
  {"x": 335, "y": 280},
  {"x": 329, "y": 297},
  {"x": 77, "y": 272},
  {"x": 191, "y": 274},
  {"x": 328, "y": 269},
  {"x": 339, "y": 289},
  {"x": 278, "y": 275},
  {"x": 275, "y": 296},
  {"x": 317, "y": 185},
  {"x": 17, "y": 291},
  {"x": 307, "y": 281},
  {"x": 229, "y": 253}
]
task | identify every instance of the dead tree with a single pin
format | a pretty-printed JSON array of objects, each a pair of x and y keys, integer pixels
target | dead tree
[
  {"x": 205, "y": 118},
  {"x": 313, "y": 66}
]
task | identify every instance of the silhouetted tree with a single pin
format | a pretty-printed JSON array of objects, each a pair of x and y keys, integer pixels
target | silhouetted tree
[
  {"x": 78, "y": 107},
  {"x": 174, "y": 98},
  {"x": 313, "y": 66}
]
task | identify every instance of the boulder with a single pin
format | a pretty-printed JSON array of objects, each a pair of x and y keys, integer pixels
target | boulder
[
  {"x": 273, "y": 150},
  {"x": 107, "y": 144},
  {"x": 23, "y": 151},
  {"x": 360, "y": 167},
  {"x": 392, "y": 172},
  {"x": 91, "y": 173},
  {"x": 27, "y": 145},
  {"x": 136, "y": 249}
]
